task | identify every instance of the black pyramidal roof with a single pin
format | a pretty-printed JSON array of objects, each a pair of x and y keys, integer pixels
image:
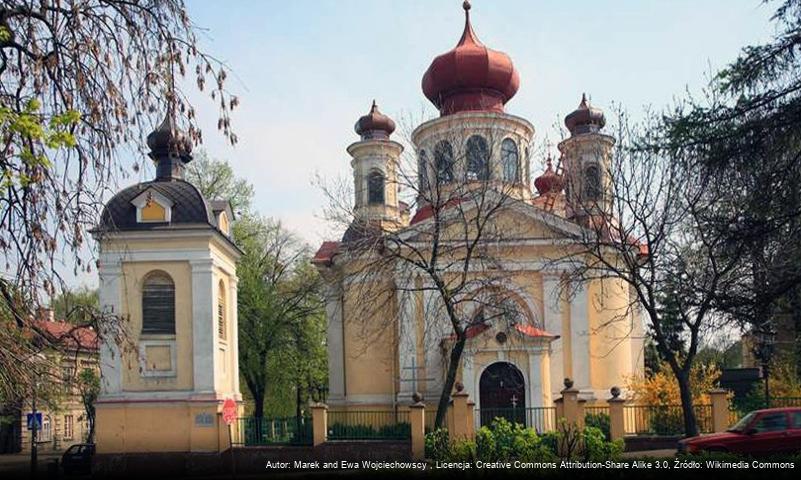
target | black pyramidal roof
[{"x": 189, "y": 206}]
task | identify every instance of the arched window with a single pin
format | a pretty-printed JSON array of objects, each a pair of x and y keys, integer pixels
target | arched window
[
  {"x": 422, "y": 172},
  {"x": 592, "y": 183},
  {"x": 375, "y": 188},
  {"x": 221, "y": 310},
  {"x": 510, "y": 161},
  {"x": 443, "y": 157},
  {"x": 158, "y": 304},
  {"x": 477, "y": 158}
]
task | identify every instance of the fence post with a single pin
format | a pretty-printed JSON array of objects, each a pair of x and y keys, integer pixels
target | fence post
[
  {"x": 571, "y": 409},
  {"x": 319, "y": 423},
  {"x": 720, "y": 410},
  {"x": 417, "y": 417},
  {"x": 617, "y": 425},
  {"x": 459, "y": 429}
]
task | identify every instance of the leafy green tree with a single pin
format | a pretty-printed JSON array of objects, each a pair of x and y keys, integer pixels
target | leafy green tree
[
  {"x": 89, "y": 389},
  {"x": 216, "y": 179},
  {"x": 278, "y": 294},
  {"x": 76, "y": 306},
  {"x": 745, "y": 135}
]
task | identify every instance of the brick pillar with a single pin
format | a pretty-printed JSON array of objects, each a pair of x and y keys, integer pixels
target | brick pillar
[
  {"x": 319, "y": 423},
  {"x": 720, "y": 410},
  {"x": 417, "y": 417},
  {"x": 617, "y": 426},
  {"x": 572, "y": 409},
  {"x": 460, "y": 429}
]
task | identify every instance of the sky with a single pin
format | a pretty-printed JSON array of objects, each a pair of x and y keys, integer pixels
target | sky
[{"x": 306, "y": 70}]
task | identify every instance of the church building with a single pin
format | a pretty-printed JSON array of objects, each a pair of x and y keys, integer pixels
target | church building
[
  {"x": 589, "y": 335},
  {"x": 167, "y": 268}
]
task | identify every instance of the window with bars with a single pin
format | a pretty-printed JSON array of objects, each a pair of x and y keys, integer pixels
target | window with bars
[
  {"x": 221, "y": 323},
  {"x": 69, "y": 427},
  {"x": 158, "y": 304}
]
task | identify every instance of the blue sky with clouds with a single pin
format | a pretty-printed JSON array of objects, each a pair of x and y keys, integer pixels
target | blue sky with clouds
[{"x": 305, "y": 70}]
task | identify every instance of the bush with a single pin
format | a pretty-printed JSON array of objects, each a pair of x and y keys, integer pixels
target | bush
[
  {"x": 597, "y": 448},
  {"x": 507, "y": 441},
  {"x": 599, "y": 421},
  {"x": 667, "y": 420},
  {"x": 342, "y": 431}
]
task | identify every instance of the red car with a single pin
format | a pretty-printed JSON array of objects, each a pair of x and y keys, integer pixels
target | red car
[{"x": 761, "y": 432}]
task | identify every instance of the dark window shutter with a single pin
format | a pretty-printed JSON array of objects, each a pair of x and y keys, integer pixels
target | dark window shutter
[{"x": 158, "y": 305}]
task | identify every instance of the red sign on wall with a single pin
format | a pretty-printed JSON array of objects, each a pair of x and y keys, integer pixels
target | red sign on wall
[{"x": 229, "y": 411}]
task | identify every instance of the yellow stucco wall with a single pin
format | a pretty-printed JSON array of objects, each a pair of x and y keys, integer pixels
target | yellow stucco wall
[
  {"x": 160, "y": 427},
  {"x": 371, "y": 336},
  {"x": 134, "y": 273}
]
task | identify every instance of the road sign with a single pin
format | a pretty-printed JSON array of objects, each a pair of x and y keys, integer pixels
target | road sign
[
  {"x": 38, "y": 421},
  {"x": 229, "y": 411}
]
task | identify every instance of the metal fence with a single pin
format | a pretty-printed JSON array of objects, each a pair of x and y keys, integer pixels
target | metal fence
[
  {"x": 663, "y": 419},
  {"x": 368, "y": 425},
  {"x": 542, "y": 419},
  {"x": 252, "y": 431},
  {"x": 785, "y": 402}
]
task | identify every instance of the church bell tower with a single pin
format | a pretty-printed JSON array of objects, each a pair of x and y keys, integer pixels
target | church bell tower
[{"x": 167, "y": 267}]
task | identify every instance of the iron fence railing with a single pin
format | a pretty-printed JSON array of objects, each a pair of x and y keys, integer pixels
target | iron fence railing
[
  {"x": 252, "y": 431},
  {"x": 785, "y": 402},
  {"x": 663, "y": 419},
  {"x": 596, "y": 410},
  {"x": 368, "y": 425},
  {"x": 542, "y": 419}
]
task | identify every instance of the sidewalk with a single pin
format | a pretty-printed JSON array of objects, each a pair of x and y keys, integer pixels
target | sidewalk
[{"x": 667, "y": 453}]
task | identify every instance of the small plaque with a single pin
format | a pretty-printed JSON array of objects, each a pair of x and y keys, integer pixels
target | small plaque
[{"x": 204, "y": 420}]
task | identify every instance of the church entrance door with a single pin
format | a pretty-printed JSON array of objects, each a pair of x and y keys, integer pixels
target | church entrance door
[{"x": 502, "y": 393}]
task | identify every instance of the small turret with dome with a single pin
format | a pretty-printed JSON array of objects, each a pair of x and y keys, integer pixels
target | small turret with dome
[
  {"x": 549, "y": 182},
  {"x": 170, "y": 148},
  {"x": 587, "y": 161},
  {"x": 374, "y": 125},
  {"x": 374, "y": 161},
  {"x": 585, "y": 118},
  {"x": 167, "y": 201},
  {"x": 470, "y": 77}
]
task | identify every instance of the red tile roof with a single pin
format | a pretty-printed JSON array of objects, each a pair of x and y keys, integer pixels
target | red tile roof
[
  {"x": 326, "y": 252},
  {"x": 527, "y": 330},
  {"x": 67, "y": 335}
]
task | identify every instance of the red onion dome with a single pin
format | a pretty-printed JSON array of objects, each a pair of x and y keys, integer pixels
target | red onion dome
[
  {"x": 548, "y": 182},
  {"x": 585, "y": 118},
  {"x": 471, "y": 77},
  {"x": 374, "y": 125}
]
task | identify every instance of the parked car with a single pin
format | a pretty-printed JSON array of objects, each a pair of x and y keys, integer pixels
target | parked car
[
  {"x": 761, "y": 432},
  {"x": 78, "y": 458}
]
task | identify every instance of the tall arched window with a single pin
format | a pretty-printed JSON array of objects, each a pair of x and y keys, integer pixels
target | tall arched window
[
  {"x": 443, "y": 157},
  {"x": 477, "y": 158},
  {"x": 158, "y": 304},
  {"x": 422, "y": 173},
  {"x": 375, "y": 188},
  {"x": 222, "y": 311},
  {"x": 592, "y": 183},
  {"x": 510, "y": 161}
]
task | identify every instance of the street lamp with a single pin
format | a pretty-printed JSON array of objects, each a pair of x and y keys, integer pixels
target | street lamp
[{"x": 765, "y": 336}]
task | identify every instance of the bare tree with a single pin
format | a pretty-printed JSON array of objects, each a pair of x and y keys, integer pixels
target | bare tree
[
  {"x": 80, "y": 82},
  {"x": 451, "y": 253},
  {"x": 648, "y": 224}
]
